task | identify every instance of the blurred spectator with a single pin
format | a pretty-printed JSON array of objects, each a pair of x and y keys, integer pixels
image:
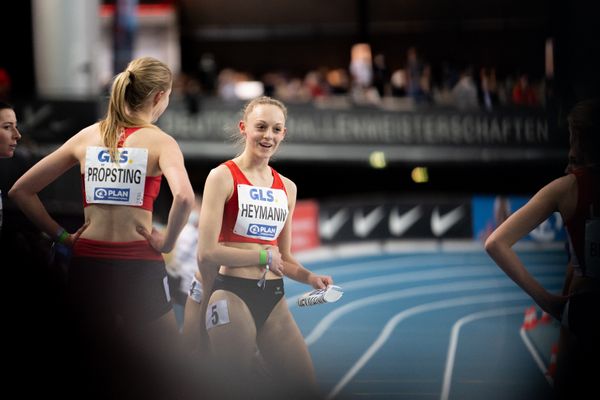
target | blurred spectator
[
  {"x": 361, "y": 71},
  {"x": 292, "y": 90},
  {"x": 207, "y": 67},
  {"x": 315, "y": 84},
  {"x": 226, "y": 84},
  {"x": 398, "y": 83},
  {"x": 191, "y": 95},
  {"x": 426, "y": 85},
  {"x": 338, "y": 81},
  {"x": 488, "y": 89},
  {"x": 270, "y": 82},
  {"x": 464, "y": 93},
  {"x": 381, "y": 75},
  {"x": 182, "y": 262},
  {"x": 414, "y": 69},
  {"x": 5, "y": 85},
  {"x": 523, "y": 93}
]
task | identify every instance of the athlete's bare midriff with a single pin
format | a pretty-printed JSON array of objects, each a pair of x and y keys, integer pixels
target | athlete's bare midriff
[{"x": 115, "y": 223}]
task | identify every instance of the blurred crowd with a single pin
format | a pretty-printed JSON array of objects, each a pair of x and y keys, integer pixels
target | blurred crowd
[{"x": 369, "y": 80}]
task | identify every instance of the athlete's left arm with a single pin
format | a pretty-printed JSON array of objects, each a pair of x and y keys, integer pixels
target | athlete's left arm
[
  {"x": 25, "y": 190},
  {"x": 291, "y": 266}
]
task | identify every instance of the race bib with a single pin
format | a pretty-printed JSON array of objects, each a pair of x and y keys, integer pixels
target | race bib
[
  {"x": 217, "y": 314},
  {"x": 262, "y": 212},
  {"x": 109, "y": 182}
]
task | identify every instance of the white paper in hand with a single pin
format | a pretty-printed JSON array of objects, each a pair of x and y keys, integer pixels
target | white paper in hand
[{"x": 331, "y": 294}]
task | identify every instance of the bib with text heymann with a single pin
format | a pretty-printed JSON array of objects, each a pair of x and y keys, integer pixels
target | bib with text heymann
[
  {"x": 109, "y": 182},
  {"x": 262, "y": 212}
]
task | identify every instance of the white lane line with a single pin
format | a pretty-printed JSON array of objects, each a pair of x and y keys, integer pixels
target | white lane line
[
  {"x": 405, "y": 262},
  {"x": 420, "y": 309},
  {"x": 400, "y": 262},
  {"x": 421, "y": 246},
  {"x": 327, "y": 321},
  {"x": 417, "y": 276},
  {"x": 413, "y": 276},
  {"x": 455, "y": 332},
  {"x": 536, "y": 356}
]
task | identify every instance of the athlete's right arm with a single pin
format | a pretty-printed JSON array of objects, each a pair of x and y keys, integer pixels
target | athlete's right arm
[
  {"x": 217, "y": 189},
  {"x": 25, "y": 190},
  {"x": 172, "y": 165},
  {"x": 499, "y": 244}
]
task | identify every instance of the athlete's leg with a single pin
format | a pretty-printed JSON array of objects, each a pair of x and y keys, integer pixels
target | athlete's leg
[
  {"x": 286, "y": 355},
  {"x": 193, "y": 325},
  {"x": 232, "y": 335}
]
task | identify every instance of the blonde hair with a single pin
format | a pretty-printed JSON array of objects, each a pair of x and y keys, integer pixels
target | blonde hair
[
  {"x": 260, "y": 101},
  {"x": 130, "y": 90}
]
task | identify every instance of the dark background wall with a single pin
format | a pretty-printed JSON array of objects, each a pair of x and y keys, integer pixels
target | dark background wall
[
  {"x": 300, "y": 35},
  {"x": 297, "y": 36}
]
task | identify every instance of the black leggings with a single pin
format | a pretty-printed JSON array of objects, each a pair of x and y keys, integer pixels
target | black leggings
[{"x": 125, "y": 292}]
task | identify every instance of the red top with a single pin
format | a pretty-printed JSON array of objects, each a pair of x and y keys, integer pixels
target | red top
[
  {"x": 230, "y": 212},
  {"x": 588, "y": 193},
  {"x": 151, "y": 186}
]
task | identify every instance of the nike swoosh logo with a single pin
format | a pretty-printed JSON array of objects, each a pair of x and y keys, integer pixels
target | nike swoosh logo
[
  {"x": 399, "y": 224},
  {"x": 363, "y": 225},
  {"x": 546, "y": 232},
  {"x": 440, "y": 224},
  {"x": 329, "y": 227}
]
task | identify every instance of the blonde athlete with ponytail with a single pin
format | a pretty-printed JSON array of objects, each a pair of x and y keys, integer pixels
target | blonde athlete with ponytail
[{"x": 117, "y": 279}]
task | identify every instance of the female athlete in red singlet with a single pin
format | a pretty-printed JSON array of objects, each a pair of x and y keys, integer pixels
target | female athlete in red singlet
[
  {"x": 117, "y": 278},
  {"x": 244, "y": 252}
]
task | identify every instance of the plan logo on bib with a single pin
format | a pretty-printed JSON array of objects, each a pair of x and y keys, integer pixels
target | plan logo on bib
[
  {"x": 113, "y": 194},
  {"x": 259, "y": 230}
]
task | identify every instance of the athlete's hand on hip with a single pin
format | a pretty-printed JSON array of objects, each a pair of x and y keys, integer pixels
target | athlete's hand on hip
[
  {"x": 554, "y": 304},
  {"x": 276, "y": 263},
  {"x": 320, "y": 281},
  {"x": 155, "y": 238},
  {"x": 72, "y": 238}
]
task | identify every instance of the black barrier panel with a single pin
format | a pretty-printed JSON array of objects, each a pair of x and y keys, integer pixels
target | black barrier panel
[
  {"x": 431, "y": 134},
  {"x": 55, "y": 121},
  {"x": 412, "y": 219},
  {"x": 435, "y": 126}
]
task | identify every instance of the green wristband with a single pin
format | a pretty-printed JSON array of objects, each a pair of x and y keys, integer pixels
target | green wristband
[
  {"x": 62, "y": 236},
  {"x": 262, "y": 258}
]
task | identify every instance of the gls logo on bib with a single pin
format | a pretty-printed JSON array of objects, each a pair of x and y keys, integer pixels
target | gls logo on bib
[
  {"x": 262, "y": 212},
  {"x": 104, "y": 156}
]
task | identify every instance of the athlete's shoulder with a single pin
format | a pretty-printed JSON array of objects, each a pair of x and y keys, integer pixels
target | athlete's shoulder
[
  {"x": 155, "y": 133},
  {"x": 559, "y": 193},
  {"x": 290, "y": 186},
  {"x": 88, "y": 136},
  {"x": 563, "y": 184},
  {"x": 89, "y": 131},
  {"x": 220, "y": 173},
  {"x": 219, "y": 179}
]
